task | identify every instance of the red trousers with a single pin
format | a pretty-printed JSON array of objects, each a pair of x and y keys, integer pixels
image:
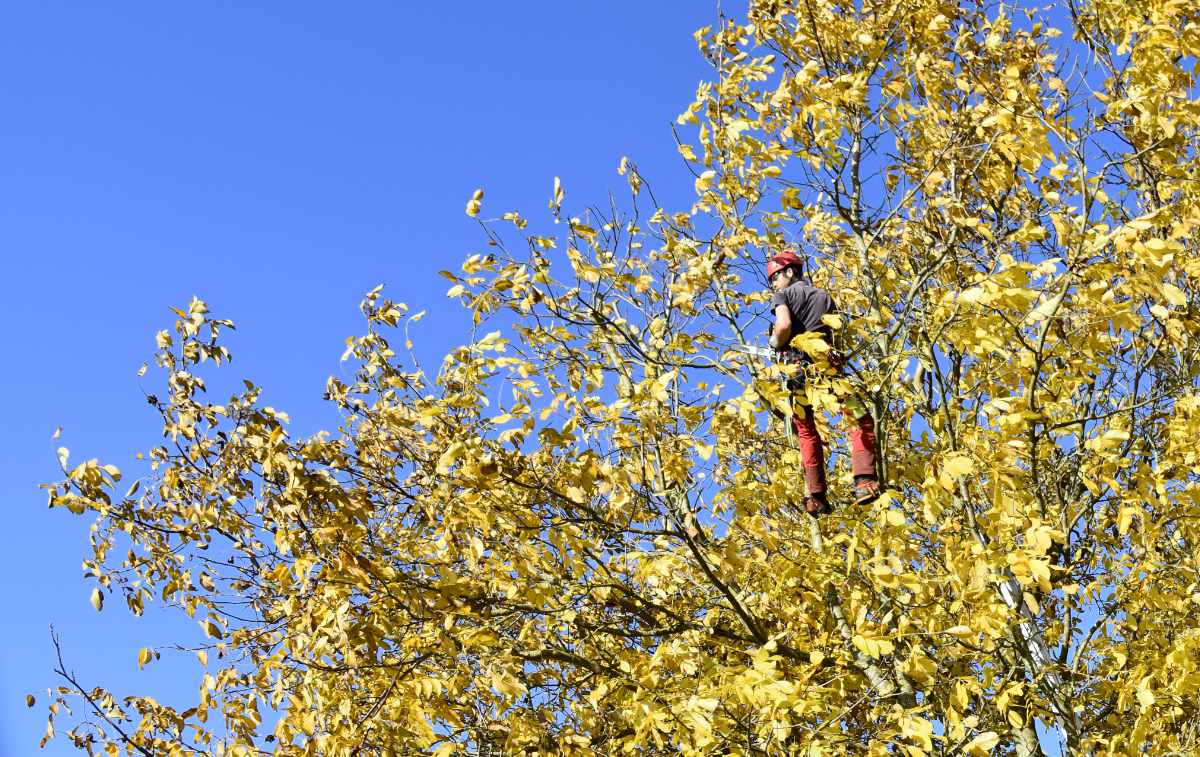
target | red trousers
[{"x": 812, "y": 451}]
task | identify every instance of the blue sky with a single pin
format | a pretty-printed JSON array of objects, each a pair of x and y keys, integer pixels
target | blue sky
[{"x": 278, "y": 162}]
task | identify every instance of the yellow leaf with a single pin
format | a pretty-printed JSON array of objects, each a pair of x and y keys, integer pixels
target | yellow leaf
[
  {"x": 735, "y": 129},
  {"x": 30, "y": 700},
  {"x": 97, "y": 599},
  {"x": 659, "y": 390},
  {"x": 811, "y": 342},
  {"x": 1038, "y": 538},
  {"x": 1108, "y": 440},
  {"x": 449, "y": 457},
  {"x": 1040, "y": 571},
  {"x": 1057, "y": 220},
  {"x": 557, "y": 200},
  {"x": 1145, "y": 698},
  {"x": 958, "y": 466},
  {"x": 145, "y": 654},
  {"x": 983, "y": 744},
  {"x": 1125, "y": 519},
  {"x": 919, "y": 730},
  {"x": 475, "y": 203},
  {"x": 1174, "y": 295},
  {"x": 872, "y": 646},
  {"x": 920, "y": 668}
]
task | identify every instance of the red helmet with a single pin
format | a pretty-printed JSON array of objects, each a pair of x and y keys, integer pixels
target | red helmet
[{"x": 782, "y": 260}]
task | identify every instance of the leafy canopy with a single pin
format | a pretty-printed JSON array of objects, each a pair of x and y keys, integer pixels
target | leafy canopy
[{"x": 581, "y": 534}]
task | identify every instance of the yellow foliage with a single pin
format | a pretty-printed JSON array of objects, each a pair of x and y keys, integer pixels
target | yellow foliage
[{"x": 615, "y": 560}]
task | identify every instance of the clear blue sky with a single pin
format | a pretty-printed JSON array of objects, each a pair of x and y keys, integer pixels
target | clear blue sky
[{"x": 277, "y": 161}]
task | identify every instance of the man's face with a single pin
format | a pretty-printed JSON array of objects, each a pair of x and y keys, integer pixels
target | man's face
[{"x": 781, "y": 279}]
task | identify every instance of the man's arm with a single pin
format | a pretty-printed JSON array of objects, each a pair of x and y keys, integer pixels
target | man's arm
[{"x": 781, "y": 334}]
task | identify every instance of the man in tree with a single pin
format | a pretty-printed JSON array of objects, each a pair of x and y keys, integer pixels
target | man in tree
[{"x": 799, "y": 307}]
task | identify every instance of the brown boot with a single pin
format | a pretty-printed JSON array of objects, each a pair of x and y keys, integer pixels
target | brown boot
[
  {"x": 866, "y": 491},
  {"x": 816, "y": 504}
]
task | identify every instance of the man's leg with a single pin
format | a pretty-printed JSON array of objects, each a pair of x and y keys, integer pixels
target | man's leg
[
  {"x": 862, "y": 450},
  {"x": 812, "y": 455}
]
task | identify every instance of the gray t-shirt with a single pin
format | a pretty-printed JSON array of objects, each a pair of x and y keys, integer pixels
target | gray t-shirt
[{"x": 807, "y": 304}]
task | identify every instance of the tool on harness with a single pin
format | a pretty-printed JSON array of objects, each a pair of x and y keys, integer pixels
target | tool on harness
[{"x": 794, "y": 382}]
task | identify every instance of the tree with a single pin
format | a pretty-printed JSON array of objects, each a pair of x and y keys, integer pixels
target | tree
[{"x": 1004, "y": 202}]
